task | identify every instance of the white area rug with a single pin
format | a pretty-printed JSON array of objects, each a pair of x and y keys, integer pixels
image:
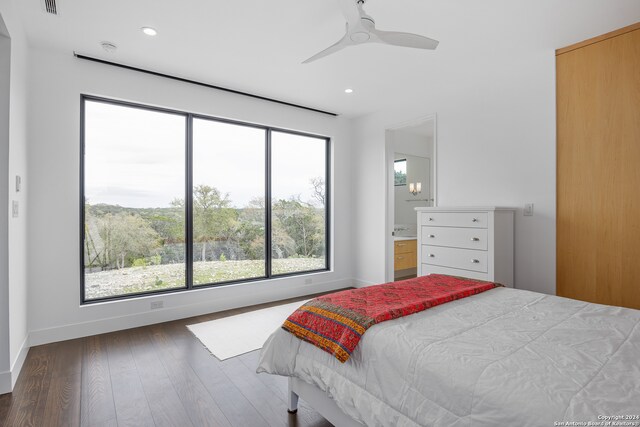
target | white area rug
[{"x": 235, "y": 335}]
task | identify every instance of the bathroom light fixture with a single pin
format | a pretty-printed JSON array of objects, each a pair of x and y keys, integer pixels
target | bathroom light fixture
[
  {"x": 348, "y": 91},
  {"x": 416, "y": 188},
  {"x": 149, "y": 31}
]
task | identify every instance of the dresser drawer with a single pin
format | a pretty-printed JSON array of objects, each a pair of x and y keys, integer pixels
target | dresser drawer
[
  {"x": 455, "y": 219},
  {"x": 436, "y": 269},
  {"x": 405, "y": 246},
  {"x": 467, "y": 238},
  {"x": 466, "y": 259}
]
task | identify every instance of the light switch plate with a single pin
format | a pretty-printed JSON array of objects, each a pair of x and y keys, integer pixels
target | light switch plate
[{"x": 528, "y": 209}]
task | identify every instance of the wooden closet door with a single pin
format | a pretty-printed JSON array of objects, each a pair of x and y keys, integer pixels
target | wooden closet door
[{"x": 598, "y": 169}]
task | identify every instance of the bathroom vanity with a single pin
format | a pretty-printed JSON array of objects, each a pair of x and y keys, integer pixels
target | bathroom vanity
[{"x": 405, "y": 256}]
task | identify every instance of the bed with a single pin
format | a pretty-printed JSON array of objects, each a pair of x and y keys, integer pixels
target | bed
[{"x": 502, "y": 357}]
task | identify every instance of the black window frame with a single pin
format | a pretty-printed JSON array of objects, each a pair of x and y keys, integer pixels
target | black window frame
[{"x": 189, "y": 118}]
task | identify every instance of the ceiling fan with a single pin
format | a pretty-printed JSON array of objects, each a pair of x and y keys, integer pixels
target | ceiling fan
[{"x": 361, "y": 28}]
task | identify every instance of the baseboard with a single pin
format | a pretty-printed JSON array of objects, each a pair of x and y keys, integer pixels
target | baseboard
[
  {"x": 101, "y": 326},
  {"x": 19, "y": 362},
  {"x": 357, "y": 283},
  {"x": 5, "y": 382},
  {"x": 8, "y": 378}
]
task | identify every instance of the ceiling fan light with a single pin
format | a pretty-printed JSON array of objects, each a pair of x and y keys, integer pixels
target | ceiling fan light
[{"x": 360, "y": 37}]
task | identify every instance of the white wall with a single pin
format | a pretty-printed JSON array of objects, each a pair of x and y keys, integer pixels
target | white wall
[
  {"x": 411, "y": 143},
  {"x": 496, "y": 133},
  {"x": 5, "y": 66},
  {"x": 56, "y": 81},
  {"x": 14, "y": 127},
  {"x": 18, "y": 257}
]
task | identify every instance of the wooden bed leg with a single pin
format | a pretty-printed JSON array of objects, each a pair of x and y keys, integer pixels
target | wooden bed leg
[{"x": 293, "y": 399}]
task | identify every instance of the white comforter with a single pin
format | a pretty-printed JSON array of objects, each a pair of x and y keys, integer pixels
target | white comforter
[{"x": 501, "y": 358}]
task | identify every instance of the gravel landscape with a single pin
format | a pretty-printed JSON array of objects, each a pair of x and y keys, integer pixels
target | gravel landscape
[{"x": 104, "y": 284}]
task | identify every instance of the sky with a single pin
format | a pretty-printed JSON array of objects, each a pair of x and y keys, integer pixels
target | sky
[{"x": 136, "y": 158}]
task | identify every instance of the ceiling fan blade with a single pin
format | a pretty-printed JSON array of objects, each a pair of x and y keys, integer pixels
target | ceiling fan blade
[
  {"x": 339, "y": 45},
  {"x": 351, "y": 11},
  {"x": 406, "y": 39}
]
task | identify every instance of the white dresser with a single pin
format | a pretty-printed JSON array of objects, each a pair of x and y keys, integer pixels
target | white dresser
[{"x": 466, "y": 241}]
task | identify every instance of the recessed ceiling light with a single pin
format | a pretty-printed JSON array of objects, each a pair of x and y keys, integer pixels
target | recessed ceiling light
[
  {"x": 149, "y": 31},
  {"x": 348, "y": 91}
]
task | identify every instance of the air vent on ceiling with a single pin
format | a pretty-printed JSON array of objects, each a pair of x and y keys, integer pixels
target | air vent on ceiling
[{"x": 51, "y": 6}]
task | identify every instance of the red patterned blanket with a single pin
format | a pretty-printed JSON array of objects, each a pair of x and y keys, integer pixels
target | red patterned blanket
[{"x": 336, "y": 322}]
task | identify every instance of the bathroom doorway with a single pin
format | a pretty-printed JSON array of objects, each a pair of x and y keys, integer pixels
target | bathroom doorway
[{"x": 411, "y": 183}]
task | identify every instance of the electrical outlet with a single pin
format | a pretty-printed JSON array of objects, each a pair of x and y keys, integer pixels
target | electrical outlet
[
  {"x": 308, "y": 281},
  {"x": 528, "y": 209},
  {"x": 15, "y": 209},
  {"x": 156, "y": 305}
]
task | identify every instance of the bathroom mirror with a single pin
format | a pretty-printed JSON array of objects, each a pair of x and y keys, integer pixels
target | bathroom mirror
[
  {"x": 411, "y": 183},
  {"x": 413, "y": 191}
]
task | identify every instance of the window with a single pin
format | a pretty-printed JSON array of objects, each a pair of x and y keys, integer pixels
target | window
[
  {"x": 173, "y": 201},
  {"x": 134, "y": 170},
  {"x": 298, "y": 208},
  {"x": 228, "y": 202},
  {"x": 400, "y": 169}
]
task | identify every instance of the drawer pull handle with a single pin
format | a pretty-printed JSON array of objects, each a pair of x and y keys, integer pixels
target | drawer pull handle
[
  {"x": 402, "y": 244},
  {"x": 432, "y": 236},
  {"x": 400, "y": 257},
  {"x": 475, "y": 239},
  {"x": 432, "y": 256},
  {"x": 430, "y": 219},
  {"x": 475, "y": 261},
  {"x": 474, "y": 220}
]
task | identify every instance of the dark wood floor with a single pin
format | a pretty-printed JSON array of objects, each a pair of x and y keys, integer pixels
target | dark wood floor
[{"x": 157, "y": 375}]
